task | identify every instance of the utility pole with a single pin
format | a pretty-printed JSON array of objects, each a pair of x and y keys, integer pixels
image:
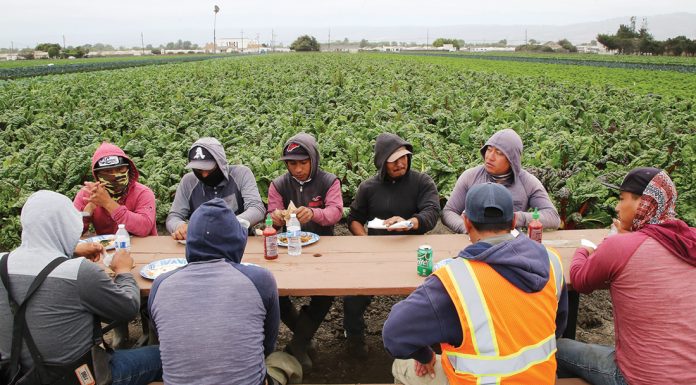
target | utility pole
[
  {"x": 215, "y": 10},
  {"x": 329, "y": 39},
  {"x": 242, "y": 47},
  {"x": 11, "y": 46},
  {"x": 526, "y": 42},
  {"x": 64, "y": 43},
  {"x": 427, "y": 38},
  {"x": 272, "y": 41},
  {"x": 142, "y": 42}
]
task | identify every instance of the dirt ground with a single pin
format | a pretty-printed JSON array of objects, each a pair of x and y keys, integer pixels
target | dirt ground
[{"x": 332, "y": 364}]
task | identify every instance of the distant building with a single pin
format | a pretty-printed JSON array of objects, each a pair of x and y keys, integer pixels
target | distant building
[
  {"x": 490, "y": 49},
  {"x": 129, "y": 52},
  {"x": 229, "y": 45},
  {"x": 390, "y": 48},
  {"x": 9, "y": 56},
  {"x": 181, "y": 51},
  {"x": 40, "y": 55},
  {"x": 598, "y": 49}
]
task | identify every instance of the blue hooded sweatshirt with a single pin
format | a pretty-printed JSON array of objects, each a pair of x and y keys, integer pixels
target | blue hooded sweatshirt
[
  {"x": 216, "y": 317},
  {"x": 428, "y": 315}
]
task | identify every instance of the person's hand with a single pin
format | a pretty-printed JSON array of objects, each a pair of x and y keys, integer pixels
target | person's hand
[
  {"x": 122, "y": 262},
  {"x": 425, "y": 369},
  {"x": 90, "y": 250},
  {"x": 180, "y": 233},
  {"x": 397, "y": 219},
  {"x": 100, "y": 197},
  {"x": 304, "y": 214},
  {"x": 89, "y": 208},
  {"x": 277, "y": 217}
]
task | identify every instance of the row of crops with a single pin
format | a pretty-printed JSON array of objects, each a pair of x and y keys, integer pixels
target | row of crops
[
  {"x": 687, "y": 66},
  {"x": 573, "y": 133},
  {"x": 87, "y": 65},
  {"x": 637, "y": 59}
]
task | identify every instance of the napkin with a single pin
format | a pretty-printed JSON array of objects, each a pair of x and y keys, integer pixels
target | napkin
[{"x": 378, "y": 223}]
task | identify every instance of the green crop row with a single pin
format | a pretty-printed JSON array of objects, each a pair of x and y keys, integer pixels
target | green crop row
[
  {"x": 87, "y": 65},
  {"x": 573, "y": 133}
]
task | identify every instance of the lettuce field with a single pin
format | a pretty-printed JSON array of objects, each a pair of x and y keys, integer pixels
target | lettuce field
[{"x": 577, "y": 129}]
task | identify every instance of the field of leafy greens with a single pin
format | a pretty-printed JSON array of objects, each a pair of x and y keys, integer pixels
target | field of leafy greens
[{"x": 573, "y": 133}]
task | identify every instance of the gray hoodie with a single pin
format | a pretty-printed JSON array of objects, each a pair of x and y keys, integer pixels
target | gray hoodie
[
  {"x": 527, "y": 191},
  {"x": 239, "y": 180},
  {"x": 60, "y": 314}
]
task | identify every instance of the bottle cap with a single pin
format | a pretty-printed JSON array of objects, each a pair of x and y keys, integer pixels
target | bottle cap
[
  {"x": 535, "y": 215},
  {"x": 269, "y": 221}
]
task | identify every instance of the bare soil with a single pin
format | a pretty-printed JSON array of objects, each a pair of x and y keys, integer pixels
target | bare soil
[{"x": 333, "y": 365}]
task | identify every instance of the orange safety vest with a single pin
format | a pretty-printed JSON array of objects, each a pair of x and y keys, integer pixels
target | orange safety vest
[{"x": 508, "y": 335}]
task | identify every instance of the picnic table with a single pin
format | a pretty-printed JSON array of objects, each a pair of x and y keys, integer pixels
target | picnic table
[{"x": 349, "y": 265}]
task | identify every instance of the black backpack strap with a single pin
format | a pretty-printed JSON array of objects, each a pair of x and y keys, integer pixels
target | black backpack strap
[{"x": 20, "y": 331}]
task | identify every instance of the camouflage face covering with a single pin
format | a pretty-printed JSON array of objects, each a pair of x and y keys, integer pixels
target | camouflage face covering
[{"x": 116, "y": 184}]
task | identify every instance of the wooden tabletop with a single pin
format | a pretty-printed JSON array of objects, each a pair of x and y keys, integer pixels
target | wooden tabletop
[{"x": 348, "y": 265}]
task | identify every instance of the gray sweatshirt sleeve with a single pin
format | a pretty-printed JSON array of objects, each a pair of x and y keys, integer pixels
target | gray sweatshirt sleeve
[
  {"x": 180, "y": 210},
  {"x": 452, "y": 213},
  {"x": 254, "y": 210},
  {"x": 539, "y": 198},
  {"x": 117, "y": 300}
]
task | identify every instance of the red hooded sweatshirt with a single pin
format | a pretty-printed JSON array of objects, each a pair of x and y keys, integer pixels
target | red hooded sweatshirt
[{"x": 136, "y": 208}]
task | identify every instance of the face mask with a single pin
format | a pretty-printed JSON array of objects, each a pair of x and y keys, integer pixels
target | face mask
[
  {"x": 213, "y": 179},
  {"x": 115, "y": 184}
]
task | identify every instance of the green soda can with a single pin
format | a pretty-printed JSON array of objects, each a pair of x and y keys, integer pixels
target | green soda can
[{"x": 425, "y": 260}]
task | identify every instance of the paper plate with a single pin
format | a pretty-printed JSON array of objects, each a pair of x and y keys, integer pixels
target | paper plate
[
  {"x": 108, "y": 240},
  {"x": 308, "y": 237},
  {"x": 156, "y": 268}
]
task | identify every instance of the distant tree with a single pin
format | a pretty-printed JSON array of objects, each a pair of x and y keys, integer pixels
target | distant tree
[
  {"x": 346, "y": 41},
  {"x": 677, "y": 45},
  {"x": 533, "y": 48},
  {"x": 305, "y": 43},
  {"x": 533, "y": 41},
  {"x": 26, "y": 53},
  {"x": 156, "y": 51},
  {"x": 567, "y": 45},
  {"x": 439, "y": 42},
  {"x": 364, "y": 43},
  {"x": 53, "y": 52},
  {"x": 502, "y": 43},
  {"x": 46, "y": 46}
]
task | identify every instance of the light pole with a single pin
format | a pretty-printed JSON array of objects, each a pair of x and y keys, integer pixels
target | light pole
[{"x": 215, "y": 10}]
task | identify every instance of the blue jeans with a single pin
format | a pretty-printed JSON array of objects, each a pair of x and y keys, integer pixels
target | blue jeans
[
  {"x": 136, "y": 366},
  {"x": 354, "y": 307},
  {"x": 595, "y": 364}
]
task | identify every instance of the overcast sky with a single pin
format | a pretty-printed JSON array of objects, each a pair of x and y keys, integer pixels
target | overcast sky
[{"x": 120, "y": 22}]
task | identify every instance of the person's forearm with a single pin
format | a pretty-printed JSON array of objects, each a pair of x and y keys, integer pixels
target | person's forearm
[
  {"x": 453, "y": 221},
  {"x": 357, "y": 228}
]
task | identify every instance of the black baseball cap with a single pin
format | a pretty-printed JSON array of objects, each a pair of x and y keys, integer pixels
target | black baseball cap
[
  {"x": 636, "y": 180},
  {"x": 489, "y": 203},
  {"x": 294, "y": 151},
  {"x": 200, "y": 159},
  {"x": 110, "y": 161}
]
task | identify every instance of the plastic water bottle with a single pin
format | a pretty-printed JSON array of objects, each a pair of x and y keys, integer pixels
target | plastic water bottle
[
  {"x": 294, "y": 241},
  {"x": 122, "y": 239}
]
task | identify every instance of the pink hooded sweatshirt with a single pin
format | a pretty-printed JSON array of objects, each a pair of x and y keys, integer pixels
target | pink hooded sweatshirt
[{"x": 136, "y": 208}]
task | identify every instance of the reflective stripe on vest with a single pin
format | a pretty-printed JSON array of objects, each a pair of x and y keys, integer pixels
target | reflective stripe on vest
[
  {"x": 487, "y": 364},
  {"x": 557, "y": 271},
  {"x": 503, "y": 366}
]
